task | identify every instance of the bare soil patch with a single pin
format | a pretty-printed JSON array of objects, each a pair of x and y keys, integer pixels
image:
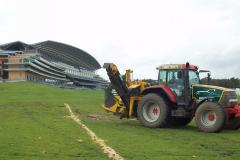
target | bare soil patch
[{"x": 99, "y": 117}]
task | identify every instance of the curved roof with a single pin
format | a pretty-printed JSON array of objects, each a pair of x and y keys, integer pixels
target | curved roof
[
  {"x": 16, "y": 46},
  {"x": 67, "y": 54}
]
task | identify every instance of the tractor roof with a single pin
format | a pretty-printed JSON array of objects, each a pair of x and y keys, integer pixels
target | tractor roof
[{"x": 177, "y": 66}]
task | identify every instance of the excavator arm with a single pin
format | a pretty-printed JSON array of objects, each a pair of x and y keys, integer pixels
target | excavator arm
[{"x": 118, "y": 84}]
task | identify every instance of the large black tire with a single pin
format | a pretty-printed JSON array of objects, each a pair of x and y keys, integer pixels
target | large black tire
[
  {"x": 179, "y": 122},
  {"x": 233, "y": 123},
  {"x": 210, "y": 117},
  {"x": 148, "y": 106}
]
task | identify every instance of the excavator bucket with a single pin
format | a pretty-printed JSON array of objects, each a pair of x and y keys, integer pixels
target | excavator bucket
[
  {"x": 109, "y": 98},
  {"x": 112, "y": 102}
]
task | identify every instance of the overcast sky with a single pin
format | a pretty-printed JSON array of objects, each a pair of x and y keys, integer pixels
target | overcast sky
[{"x": 136, "y": 34}]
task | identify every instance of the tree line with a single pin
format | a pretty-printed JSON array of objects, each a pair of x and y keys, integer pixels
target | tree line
[{"x": 228, "y": 83}]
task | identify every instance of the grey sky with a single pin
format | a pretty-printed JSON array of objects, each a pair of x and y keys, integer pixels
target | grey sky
[{"x": 137, "y": 34}]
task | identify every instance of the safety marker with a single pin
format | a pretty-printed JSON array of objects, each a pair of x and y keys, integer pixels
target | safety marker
[{"x": 112, "y": 154}]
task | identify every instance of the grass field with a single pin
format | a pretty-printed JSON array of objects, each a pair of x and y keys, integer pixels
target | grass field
[{"x": 33, "y": 125}]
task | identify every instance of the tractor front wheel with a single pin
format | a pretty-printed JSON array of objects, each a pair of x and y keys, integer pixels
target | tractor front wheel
[
  {"x": 210, "y": 117},
  {"x": 153, "y": 111}
]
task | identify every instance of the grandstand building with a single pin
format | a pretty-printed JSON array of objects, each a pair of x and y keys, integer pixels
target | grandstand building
[{"x": 49, "y": 61}]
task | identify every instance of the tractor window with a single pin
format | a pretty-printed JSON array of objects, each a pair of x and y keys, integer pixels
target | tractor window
[
  {"x": 162, "y": 78},
  {"x": 175, "y": 81},
  {"x": 193, "y": 78}
]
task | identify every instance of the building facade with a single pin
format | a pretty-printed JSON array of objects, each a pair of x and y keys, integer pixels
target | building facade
[{"x": 49, "y": 61}]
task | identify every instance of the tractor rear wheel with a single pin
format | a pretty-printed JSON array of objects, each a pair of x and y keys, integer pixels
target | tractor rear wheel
[
  {"x": 233, "y": 123},
  {"x": 153, "y": 111},
  {"x": 210, "y": 117},
  {"x": 179, "y": 122}
]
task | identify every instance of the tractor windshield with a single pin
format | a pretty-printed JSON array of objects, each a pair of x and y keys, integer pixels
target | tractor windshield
[
  {"x": 174, "y": 79},
  {"x": 193, "y": 78}
]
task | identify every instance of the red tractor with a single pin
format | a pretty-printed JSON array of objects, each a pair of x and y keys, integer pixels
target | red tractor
[{"x": 174, "y": 101}]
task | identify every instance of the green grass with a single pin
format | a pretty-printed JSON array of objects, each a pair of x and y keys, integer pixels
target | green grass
[{"x": 33, "y": 125}]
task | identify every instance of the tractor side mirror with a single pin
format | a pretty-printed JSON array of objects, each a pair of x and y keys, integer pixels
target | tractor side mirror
[{"x": 208, "y": 75}]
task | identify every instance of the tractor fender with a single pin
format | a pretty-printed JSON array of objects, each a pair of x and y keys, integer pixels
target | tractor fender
[
  {"x": 161, "y": 90},
  {"x": 198, "y": 104}
]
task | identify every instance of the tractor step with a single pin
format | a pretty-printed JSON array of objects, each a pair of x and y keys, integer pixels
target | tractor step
[{"x": 180, "y": 112}]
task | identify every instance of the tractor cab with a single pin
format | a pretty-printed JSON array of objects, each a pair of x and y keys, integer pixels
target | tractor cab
[{"x": 179, "y": 78}]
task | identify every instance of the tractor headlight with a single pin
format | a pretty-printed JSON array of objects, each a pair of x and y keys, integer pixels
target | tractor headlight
[
  {"x": 229, "y": 99},
  {"x": 232, "y": 102}
]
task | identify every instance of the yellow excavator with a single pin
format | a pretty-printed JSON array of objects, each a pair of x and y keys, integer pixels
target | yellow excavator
[
  {"x": 174, "y": 101},
  {"x": 123, "y": 93}
]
